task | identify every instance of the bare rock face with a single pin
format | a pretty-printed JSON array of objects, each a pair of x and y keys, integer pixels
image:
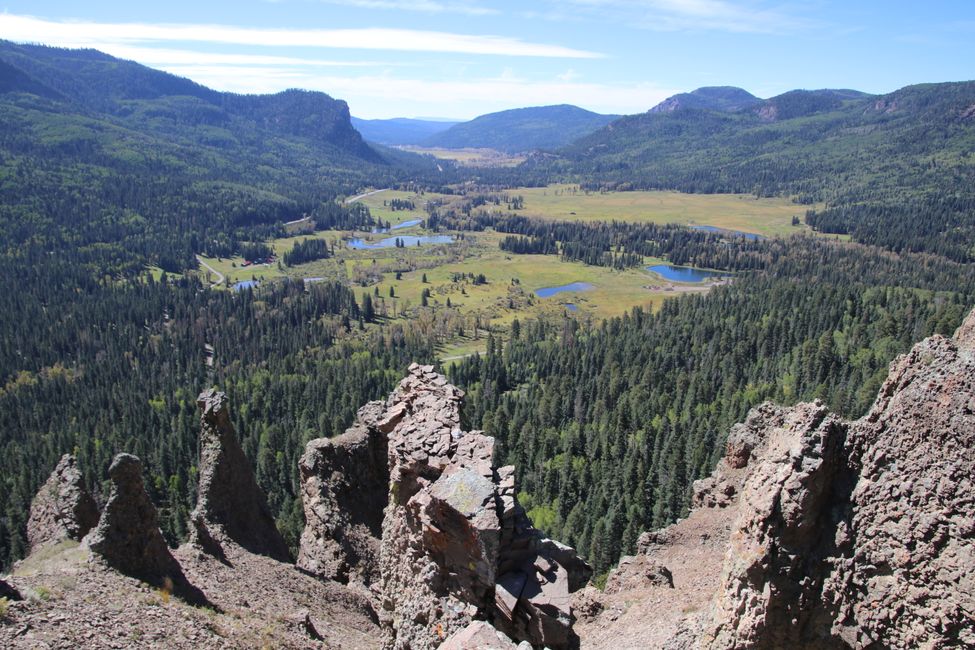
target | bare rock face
[
  {"x": 481, "y": 636},
  {"x": 456, "y": 546},
  {"x": 63, "y": 508},
  {"x": 345, "y": 482},
  {"x": 843, "y": 535},
  {"x": 903, "y": 577},
  {"x": 230, "y": 505},
  {"x": 127, "y": 537},
  {"x": 773, "y": 568}
]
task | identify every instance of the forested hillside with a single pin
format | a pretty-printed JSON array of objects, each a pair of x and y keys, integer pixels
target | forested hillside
[
  {"x": 399, "y": 130},
  {"x": 522, "y": 129},
  {"x": 894, "y": 170},
  {"x": 98, "y": 152}
]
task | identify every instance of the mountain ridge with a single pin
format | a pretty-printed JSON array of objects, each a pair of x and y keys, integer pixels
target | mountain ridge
[
  {"x": 522, "y": 129},
  {"x": 400, "y": 130}
]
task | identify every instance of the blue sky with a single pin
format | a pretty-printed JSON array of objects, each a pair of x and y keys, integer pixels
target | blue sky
[{"x": 462, "y": 58}]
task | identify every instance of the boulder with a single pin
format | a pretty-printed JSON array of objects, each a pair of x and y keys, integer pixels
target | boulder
[
  {"x": 345, "y": 483},
  {"x": 63, "y": 508},
  {"x": 481, "y": 636},
  {"x": 230, "y": 505},
  {"x": 9, "y": 592},
  {"x": 637, "y": 571}
]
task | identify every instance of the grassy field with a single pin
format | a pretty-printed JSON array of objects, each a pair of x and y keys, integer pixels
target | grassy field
[
  {"x": 470, "y": 157},
  {"x": 513, "y": 279},
  {"x": 508, "y": 291},
  {"x": 742, "y": 212},
  {"x": 379, "y": 208}
]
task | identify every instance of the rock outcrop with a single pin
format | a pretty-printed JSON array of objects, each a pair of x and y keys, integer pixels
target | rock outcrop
[
  {"x": 127, "y": 537},
  {"x": 481, "y": 636},
  {"x": 836, "y": 534},
  {"x": 345, "y": 481},
  {"x": 63, "y": 508},
  {"x": 903, "y": 574},
  {"x": 230, "y": 505},
  {"x": 454, "y": 546},
  {"x": 9, "y": 592}
]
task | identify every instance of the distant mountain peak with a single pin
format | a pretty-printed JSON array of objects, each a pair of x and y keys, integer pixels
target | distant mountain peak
[
  {"x": 523, "y": 129},
  {"x": 715, "y": 98}
]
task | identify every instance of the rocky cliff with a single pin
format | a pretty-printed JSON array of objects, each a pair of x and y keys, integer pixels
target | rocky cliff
[
  {"x": 454, "y": 548},
  {"x": 815, "y": 532}
]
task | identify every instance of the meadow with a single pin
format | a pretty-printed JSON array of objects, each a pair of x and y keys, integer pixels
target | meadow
[
  {"x": 762, "y": 216},
  {"x": 487, "y": 288}
]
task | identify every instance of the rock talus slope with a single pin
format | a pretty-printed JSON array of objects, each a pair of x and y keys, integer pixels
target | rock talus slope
[{"x": 830, "y": 534}]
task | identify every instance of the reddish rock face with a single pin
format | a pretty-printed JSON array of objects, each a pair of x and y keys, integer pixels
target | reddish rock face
[
  {"x": 63, "y": 508},
  {"x": 453, "y": 545}
]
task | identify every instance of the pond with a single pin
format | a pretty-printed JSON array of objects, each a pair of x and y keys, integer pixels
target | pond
[
  {"x": 750, "y": 236},
  {"x": 548, "y": 292},
  {"x": 313, "y": 280},
  {"x": 245, "y": 284},
  {"x": 571, "y": 307},
  {"x": 405, "y": 224},
  {"x": 408, "y": 240},
  {"x": 684, "y": 273}
]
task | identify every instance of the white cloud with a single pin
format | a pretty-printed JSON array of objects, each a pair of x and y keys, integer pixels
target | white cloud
[
  {"x": 424, "y": 6},
  {"x": 86, "y": 34},
  {"x": 161, "y": 56},
  {"x": 383, "y": 95},
  {"x": 741, "y": 16}
]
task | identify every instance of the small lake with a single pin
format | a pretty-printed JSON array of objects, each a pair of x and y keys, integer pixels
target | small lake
[
  {"x": 245, "y": 284},
  {"x": 408, "y": 240},
  {"x": 548, "y": 292},
  {"x": 405, "y": 224},
  {"x": 684, "y": 273},
  {"x": 750, "y": 236},
  {"x": 313, "y": 280},
  {"x": 571, "y": 307}
]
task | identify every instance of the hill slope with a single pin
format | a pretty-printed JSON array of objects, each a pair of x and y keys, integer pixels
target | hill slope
[
  {"x": 716, "y": 98},
  {"x": 522, "y": 129},
  {"x": 399, "y": 130},
  {"x": 190, "y": 167},
  {"x": 897, "y": 170}
]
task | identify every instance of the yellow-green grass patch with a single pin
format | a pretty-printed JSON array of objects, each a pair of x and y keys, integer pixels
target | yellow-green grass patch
[{"x": 742, "y": 212}]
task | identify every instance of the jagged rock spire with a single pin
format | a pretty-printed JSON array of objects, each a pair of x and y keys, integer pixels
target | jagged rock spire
[
  {"x": 63, "y": 508},
  {"x": 127, "y": 536},
  {"x": 345, "y": 481},
  {"x": 230, "y": 505},
  {"x": 454, "y": 545}
]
